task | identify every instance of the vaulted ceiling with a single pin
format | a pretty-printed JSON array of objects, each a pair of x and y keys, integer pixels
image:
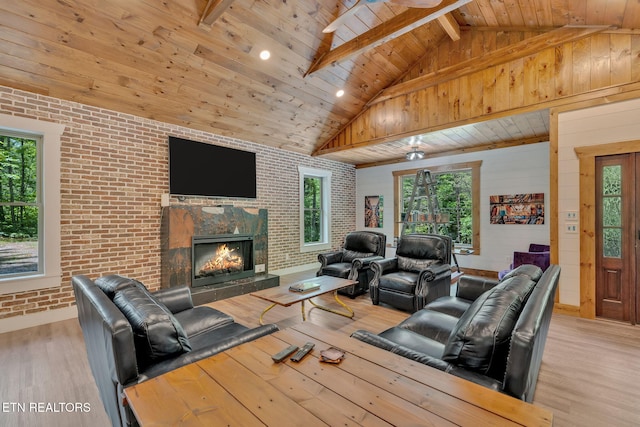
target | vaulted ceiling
[{"x": 464, "y": 75}]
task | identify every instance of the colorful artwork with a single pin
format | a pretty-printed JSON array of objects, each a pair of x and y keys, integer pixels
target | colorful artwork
[
  {"x": 517, "y": 208},
  {"x": 373, "y": 211}
]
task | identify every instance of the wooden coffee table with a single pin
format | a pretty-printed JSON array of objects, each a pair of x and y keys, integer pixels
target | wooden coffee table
[
  {"x": 284, "y": 297},
  {"x": 370, "y": 387}
]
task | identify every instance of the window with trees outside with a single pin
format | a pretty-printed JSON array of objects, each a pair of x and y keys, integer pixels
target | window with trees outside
[
  {"x": 315, "y": 208},
  {"x": 17, "y": 220},
  {"x": 20, "y": 207},
  {"x": 457, "y": 192}
]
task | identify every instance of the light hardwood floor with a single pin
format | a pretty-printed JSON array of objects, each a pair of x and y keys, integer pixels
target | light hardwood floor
[{"x": 589, "y": 376}]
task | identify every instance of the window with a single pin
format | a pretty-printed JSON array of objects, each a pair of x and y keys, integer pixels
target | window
[
  {"x": 315, "y": 209},
  {"x": 457, "y": 191},
  {"x": 612, "y": 210},
  {"x": 29, "y": 204},
  {"x": 20, "y": 205}
]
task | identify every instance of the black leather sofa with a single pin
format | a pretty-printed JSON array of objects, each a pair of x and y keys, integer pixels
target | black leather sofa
[
  {"x": 132, "y": 335},
  {"x": 492, "y": 333},
  {"x": 352, "y": 261}
]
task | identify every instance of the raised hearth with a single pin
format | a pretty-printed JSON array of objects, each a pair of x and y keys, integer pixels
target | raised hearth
[{"x": 205, "y": 294}]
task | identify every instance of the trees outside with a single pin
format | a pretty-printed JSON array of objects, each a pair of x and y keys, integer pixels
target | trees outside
[
  {"x": 19, "y": 210},
  {"x": 453, "y": 190},
  {"x": 312, "y": 209}
]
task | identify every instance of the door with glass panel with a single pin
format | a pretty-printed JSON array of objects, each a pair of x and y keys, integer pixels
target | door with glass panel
[{"x": 617, "y": 234}]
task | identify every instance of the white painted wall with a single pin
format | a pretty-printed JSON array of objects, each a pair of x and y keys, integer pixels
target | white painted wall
[
  {"x": 522, "y": 169},
  {"x": 591, "y": 126}
]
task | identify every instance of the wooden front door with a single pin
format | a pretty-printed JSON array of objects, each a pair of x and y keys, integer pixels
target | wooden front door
[{"x": 617, "y": 233}]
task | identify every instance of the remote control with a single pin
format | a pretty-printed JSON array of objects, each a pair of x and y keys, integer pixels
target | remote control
[
  {"x": 280, "y": 356},
  {"x": 302, "y": 352}
]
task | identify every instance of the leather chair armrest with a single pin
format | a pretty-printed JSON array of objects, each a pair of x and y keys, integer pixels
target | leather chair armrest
[
  {"x": 379, "y": 268},
  {"x": 429, "y": 276},
  {"x": 207, "y": 351},
  {"x": 330, "y": 258},
  {"x": 373, "y": 339},
  {"x": 471, "y": 287},
  {"x": 425, "y": 359},
  {"x": 434, "y": 272},
  {"x": 176, "y": 299},
  {"x": 433, "y": 283},
  {"x": 385, "y": 344},
  {"x": 359, "y": 263},
  {"x": 384, "y": 266}
]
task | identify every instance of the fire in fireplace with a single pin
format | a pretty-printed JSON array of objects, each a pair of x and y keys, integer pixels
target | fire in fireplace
[{"x": 221, "y": 258}]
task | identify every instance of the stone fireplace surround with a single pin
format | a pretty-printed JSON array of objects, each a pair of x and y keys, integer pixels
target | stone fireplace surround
[{"x": 181, "y": 222}]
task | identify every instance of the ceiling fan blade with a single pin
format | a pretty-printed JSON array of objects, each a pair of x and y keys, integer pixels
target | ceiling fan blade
[{"x": 340, "y": 20}]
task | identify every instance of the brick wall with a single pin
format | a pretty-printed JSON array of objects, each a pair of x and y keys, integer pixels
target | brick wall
[{"x": 114, "y": 169}]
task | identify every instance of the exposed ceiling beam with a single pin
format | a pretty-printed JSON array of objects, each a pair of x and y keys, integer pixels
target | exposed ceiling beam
[
  {"x": 450, "y": 26},
  {"x": 525, "y": 29},
  {"x": 385, "y": 32},
  {"x": 518, "y": 50},
  {"x": 213, "y": 10}
]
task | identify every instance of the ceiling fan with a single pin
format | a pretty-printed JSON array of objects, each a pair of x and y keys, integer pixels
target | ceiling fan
[{"x": 340, "y": 20}]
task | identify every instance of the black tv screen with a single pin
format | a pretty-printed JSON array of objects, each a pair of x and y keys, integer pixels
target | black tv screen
[{"x": 199, "y": 169}]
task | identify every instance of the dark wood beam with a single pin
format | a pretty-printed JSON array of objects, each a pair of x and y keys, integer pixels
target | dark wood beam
[{"x": 383, "y": 33}]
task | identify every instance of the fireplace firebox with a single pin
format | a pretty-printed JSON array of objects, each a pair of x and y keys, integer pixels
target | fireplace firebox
[{"x": 221, "y": 258}]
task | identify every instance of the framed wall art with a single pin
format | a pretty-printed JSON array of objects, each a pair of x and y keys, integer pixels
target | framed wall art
[
  {"x": 525, "y": 208},
  {"x": 373, "y": 211}
]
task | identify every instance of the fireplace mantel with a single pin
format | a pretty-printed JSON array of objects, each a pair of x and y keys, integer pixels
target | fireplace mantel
[{"x": 181, "y": 222}]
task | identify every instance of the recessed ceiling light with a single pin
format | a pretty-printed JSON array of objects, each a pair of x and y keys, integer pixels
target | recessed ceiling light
[
  {"x": 340, "y": 93},
  {"x": 265, "y": 54}
]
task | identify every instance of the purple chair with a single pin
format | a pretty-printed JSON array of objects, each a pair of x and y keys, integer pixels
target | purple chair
[{"x": 539, "y": 255}]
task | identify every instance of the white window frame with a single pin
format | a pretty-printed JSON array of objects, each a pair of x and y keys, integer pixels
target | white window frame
[
  {"x": 51, "y": 271},
  {"x": 325, "y": 176}
]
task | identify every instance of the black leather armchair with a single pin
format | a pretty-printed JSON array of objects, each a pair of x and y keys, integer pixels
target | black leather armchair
[
  {"x": 352, "y": 261},
  {"x": 418, "y": 274}
]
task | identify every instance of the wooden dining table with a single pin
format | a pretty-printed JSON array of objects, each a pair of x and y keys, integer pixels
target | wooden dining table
[{"x": 243, "y": 386}]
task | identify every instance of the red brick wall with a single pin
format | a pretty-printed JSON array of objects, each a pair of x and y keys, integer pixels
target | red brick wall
[{"x": 114, "y": 169}]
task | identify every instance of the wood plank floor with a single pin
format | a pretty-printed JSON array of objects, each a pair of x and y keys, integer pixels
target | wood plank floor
[{"x": 589, "y": 374}]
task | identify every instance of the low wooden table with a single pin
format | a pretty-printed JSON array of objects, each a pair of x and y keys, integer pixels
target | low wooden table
[
  {"x": 284, "y": 297},
  {"x": 244, "y": 387}
]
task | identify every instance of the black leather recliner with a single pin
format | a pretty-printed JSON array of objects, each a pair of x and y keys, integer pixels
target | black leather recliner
[
  {"x": 352, "y": 261},
  {"x": 418, "y": 274},
  {"x": 132, "y": 335}
]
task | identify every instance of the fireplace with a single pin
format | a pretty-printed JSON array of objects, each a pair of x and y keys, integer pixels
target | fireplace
[
  {"x": 180, "y": 223},
  {"x": 220, "y": 258}
]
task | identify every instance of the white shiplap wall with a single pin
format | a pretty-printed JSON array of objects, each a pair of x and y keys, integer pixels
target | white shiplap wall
[
  {"x": 605, "y": 124},
  {"x": 522, "y": 169}
]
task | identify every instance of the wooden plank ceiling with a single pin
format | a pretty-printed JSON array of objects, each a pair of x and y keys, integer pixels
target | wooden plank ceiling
[{"x": 196, "y": 63}]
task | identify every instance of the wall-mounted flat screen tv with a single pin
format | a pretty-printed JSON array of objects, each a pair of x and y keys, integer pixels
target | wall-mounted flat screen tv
[{"x": 200, "y": 169}]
